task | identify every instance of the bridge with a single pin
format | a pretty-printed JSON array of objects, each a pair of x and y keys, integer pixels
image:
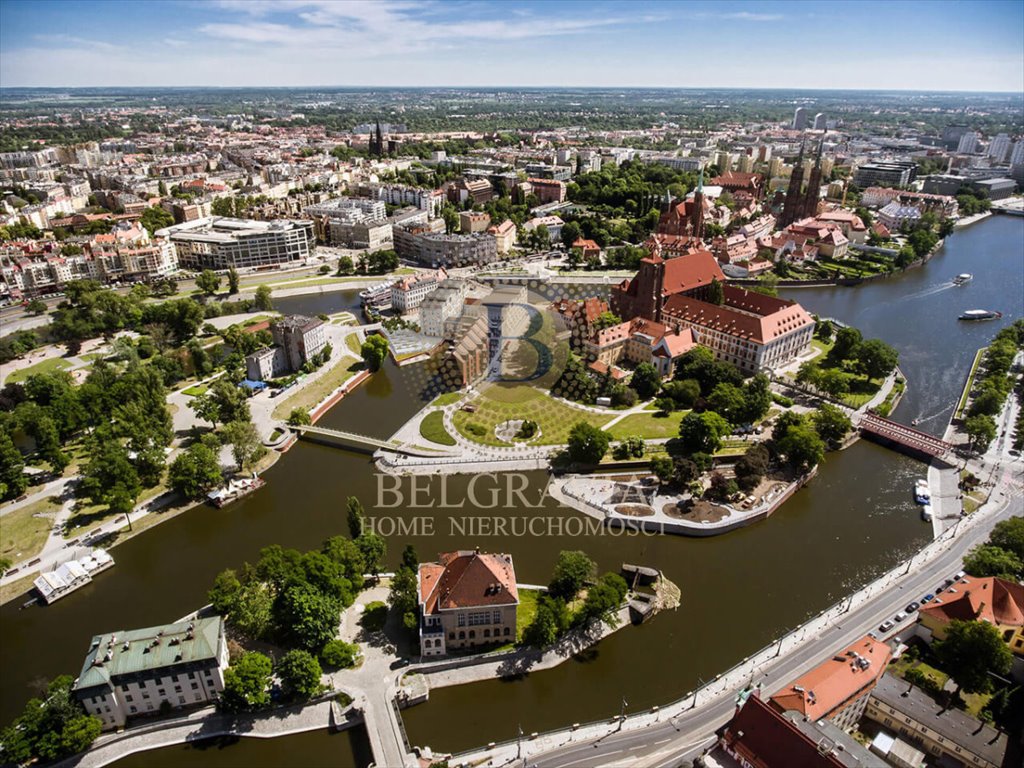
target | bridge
[
  {"x": 896, "y": 434},
  {"x": 358, "y": 441}
]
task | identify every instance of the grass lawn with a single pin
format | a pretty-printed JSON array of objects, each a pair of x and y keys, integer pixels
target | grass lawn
[
  {"x": 22, "y": 534},
  {"x": 648, "y": 425},
  {"x": 432, "y": 428},
  {"x": 527, "y": 610},
  {"x": 311, "y": 394},
  {"x": 354, "y": 344},
  {"x": 970, "y": 383},
  {"x": 195, "y": 389},
  {"x": 88, "y": 516},
  {"x": 500, "y": 402},
  {"x": 44, "y": 366},
  {"x": 447, "y": 398}
]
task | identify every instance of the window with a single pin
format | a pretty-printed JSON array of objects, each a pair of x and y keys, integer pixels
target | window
[
  {"x": 195, "y": 686},
  {"x": 507, "y": 631},
  {"x": 451, "y": 635},
  {"x": 133, "y": 710},
  {"x": 496, "y": 617},
  {"x": 462, "y": 635},
  {"x": 177, "y": 689},
  {"x": 487, "y": 633},
  {"x": 472, "y": 634},
  {"x": 129, "y": 698},
  {"x": 462, "y": 619}
]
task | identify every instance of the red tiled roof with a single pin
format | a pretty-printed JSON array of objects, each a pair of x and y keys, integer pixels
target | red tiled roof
[
  {"x": 467, "y": 579},
  {"x": 684, "y": 273},
  {"x": 745, "y": 314},
  {"x": 990, "y": 599},
  {"x": 830, "y": 685},
  {"x": 766, "y": 739}
]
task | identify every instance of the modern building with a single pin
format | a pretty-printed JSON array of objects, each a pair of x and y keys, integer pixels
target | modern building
[
  {"x": 428, "y": 200},
  {"x": 467, "y": 599},
  {"x": 885, "y": 174},
  {"x": 820, "y": 122},
  {"x": 222, "y": 243},
  {"x": 437, "y": 249},
  {"x": 752, "y": 331},
  {"x": 351, "y": 223},
  {"x": 999, "y": 147},
  {"x": 800, "y": 119},
  {"x": 467, "y": 356},
  {"x": 995, "y": 189},
  {"x": 139, "y": 671},
  {"x": 838, "y": 688},
  {"x": 508, "y": 315},
  {"x": 946, "y": 734},
  {"x": 968, "y": 143}
]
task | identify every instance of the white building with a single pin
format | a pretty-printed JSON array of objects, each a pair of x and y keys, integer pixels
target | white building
[
  {"x": 407, "y": 294},
  {"x": 217, "y": 242},
  {"x": 968, "y": 143},
  {"x": 999, "y": 147},
  {"x": 444, "y": 302},
  {"x": 136, "y": 672}
]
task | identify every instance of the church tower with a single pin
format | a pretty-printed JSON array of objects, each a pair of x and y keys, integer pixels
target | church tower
[
  {"x": 697, "y": 214},
  {"x": 793, "y": 206},
  {"x": 377, "y": 145},
  {"x": 810, "y": 202}
]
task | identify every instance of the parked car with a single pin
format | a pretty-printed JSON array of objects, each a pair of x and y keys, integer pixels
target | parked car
[
  {"x": 959, "y": 575},
  {"x": 913, "y": 607},
  {"x": 899, "y": 617},
  {"x": 886, "y": 626},
  {"x": 927, "y": 598}
]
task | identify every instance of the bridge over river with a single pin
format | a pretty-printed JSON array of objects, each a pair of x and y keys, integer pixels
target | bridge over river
[
  {"x": 364, "y": 442},
  {"x": 903, "y": 437}
]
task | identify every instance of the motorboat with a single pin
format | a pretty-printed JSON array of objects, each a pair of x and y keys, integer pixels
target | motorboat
[
  {"x": 922, "y": 494},
  {"x": 980, "y": 314},
  {"x": 926, "y": 512},
  {"x": 963, "y": 278}
]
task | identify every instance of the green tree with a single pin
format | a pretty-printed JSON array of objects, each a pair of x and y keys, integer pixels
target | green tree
[
  {"x": 356, "y": 516},
  {"x": 544, "y": 629},
  {"x": 252, "y": 612},
  {"x": 232, "y": 281},
  {"x": 246, "y": 446},
  {"x": 208, "y": 282},
  {"x": 875, "y": 358},
  {"x": 846, "y": 343},
  {"x": 300, "y": 674},
  {"x": 155, "y": 218},
  {"x": 988, "y": 560},
  {"x": 646, "y": 381},
  {"x": 971, "y": 652},
  {"x": 981, "y": 430},
  {"x": 299, "y": 416},
  {"x": 307, "y": 617},
  {"x": 587, "y": 444},
  {"x": 35, "y": 307},
  {"x": 194, "y": 472},
  {"x": 716, "y": 293},
  {"x": 831, "y": 424},
  {"x": 702, "y": 432},
  {"x": 662, "y": 468},
  {"x": 573, "y": 570},
  {"x": 1009, "y": 535},
  {"x": 223, "y": 595},
  {"x": 373, "y": 549},
  {"x": 729, "y": 401},
  {"x": 684, "y": 393},
  {"x": 262, "y": 301},
  {"x": 345, "y": 266},
  {"x": 247, "y": 683},
  {"x": 801, "y": 446},
  {"x": 752, "y": 467},
  {"x": 109, "y": 478},
  {"x": 338, "y": 654},
  {"x": 373, "y": 351},
  {"x": 757, "y": 395},
  {"x": 603, "y": 600},
  {"x": 571, "y": 232},
  {"x": 409, "y": 557}
]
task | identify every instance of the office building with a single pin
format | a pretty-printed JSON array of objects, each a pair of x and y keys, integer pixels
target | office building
[
  {"x": 222, "y": 243},
  {"x": 885, "y": 174},
  {"x": 800, "y": 119}
]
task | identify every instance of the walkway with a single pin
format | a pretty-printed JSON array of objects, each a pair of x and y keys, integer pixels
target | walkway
[{"x": 370, "y": 442}]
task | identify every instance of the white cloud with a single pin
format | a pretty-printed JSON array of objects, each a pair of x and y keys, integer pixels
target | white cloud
[{"x": 747, "y": 16}]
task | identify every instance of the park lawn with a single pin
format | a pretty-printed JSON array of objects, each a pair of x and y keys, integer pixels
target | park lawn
[
  {"x": 22, "y": 534},
  {"x": 526, "y": 612},
  {"x": 87, "y": 516},
  {"x": 310, "y": 395},
  {"x": 43, "y": 366},
  {"x": 970, "y": 383},
  {"x": 648, "y": 425},
  {"x": 448, "y": 398},
  {"x": 195, "y": 390},
  {"x": 354, "y": 344},
  {"x": 432, "y": 428},
  {"x": 501, "y": 402}
]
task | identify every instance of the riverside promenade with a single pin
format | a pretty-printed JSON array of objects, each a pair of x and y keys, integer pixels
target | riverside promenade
[{"x": 666, "y": 734}]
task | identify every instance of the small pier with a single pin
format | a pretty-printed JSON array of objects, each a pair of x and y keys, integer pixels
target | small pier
[{"x": 901, "y": 437}]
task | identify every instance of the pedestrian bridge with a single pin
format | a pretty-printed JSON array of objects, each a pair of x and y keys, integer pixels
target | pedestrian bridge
[
  {"x": 896, "y": 434},
  {"x": 365, "y": 442}
]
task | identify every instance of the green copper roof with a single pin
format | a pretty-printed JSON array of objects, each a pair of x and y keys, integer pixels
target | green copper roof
[{"x": 114, "y": 654}]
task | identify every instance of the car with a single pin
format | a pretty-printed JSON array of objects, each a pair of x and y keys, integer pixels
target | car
[
  {"x": 899, "y": 617},
  {"x": 927, "y": 598},
  {"x": 959, "y": 575},
  {"x": 913, "y": 607},
  {"x": 885, "y": 626}
]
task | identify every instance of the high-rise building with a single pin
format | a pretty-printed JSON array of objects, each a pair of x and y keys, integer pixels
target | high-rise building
[
  {"x": 724, "y": 161},
  {"x": 1017, "y": 153},
  {"x": 800, "y": 119},
  {"x": 968, "y": 144},
  {"x": 999, "y": 147},
  {"x": 820, "y": 124}
]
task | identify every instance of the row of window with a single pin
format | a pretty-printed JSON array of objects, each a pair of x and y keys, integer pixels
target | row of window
[
  {"x": 472, "y": 634},
  {"x": 478, "y": 618}
]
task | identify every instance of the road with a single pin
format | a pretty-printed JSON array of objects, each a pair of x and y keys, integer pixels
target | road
[{"x": 655, "y": 740}]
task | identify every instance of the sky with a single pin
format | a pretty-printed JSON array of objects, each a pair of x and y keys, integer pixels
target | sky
[{"x": 917, "y": 45}]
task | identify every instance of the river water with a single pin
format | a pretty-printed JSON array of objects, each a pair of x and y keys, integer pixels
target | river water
[{"x": 739, "y": 591}]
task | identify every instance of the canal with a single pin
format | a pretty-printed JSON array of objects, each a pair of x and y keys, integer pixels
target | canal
[{"x": 739, "y": 591}]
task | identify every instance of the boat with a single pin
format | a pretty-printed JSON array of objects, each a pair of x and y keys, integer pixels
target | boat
[
  {"x": 72, "y": 575},
  {"x": 922, "y": 494},
  {"x": 926, "y": 513},
  {"x": 234, "y": 490},
  {"x": 963, "y": 278},
  {"x": 980, "y": 314}
]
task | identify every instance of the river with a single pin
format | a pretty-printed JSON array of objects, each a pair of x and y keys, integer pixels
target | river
[{"x": 739, "y": 591}]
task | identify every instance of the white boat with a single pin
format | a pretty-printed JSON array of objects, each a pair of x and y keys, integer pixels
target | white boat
[
  {"x": 926, "y": 513},
  {"x": 980, "y": 314},
  {"x": 72, "y": 575},
  {"x": 963, "y": 278},
  {"x": 922, "y": 494}
]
